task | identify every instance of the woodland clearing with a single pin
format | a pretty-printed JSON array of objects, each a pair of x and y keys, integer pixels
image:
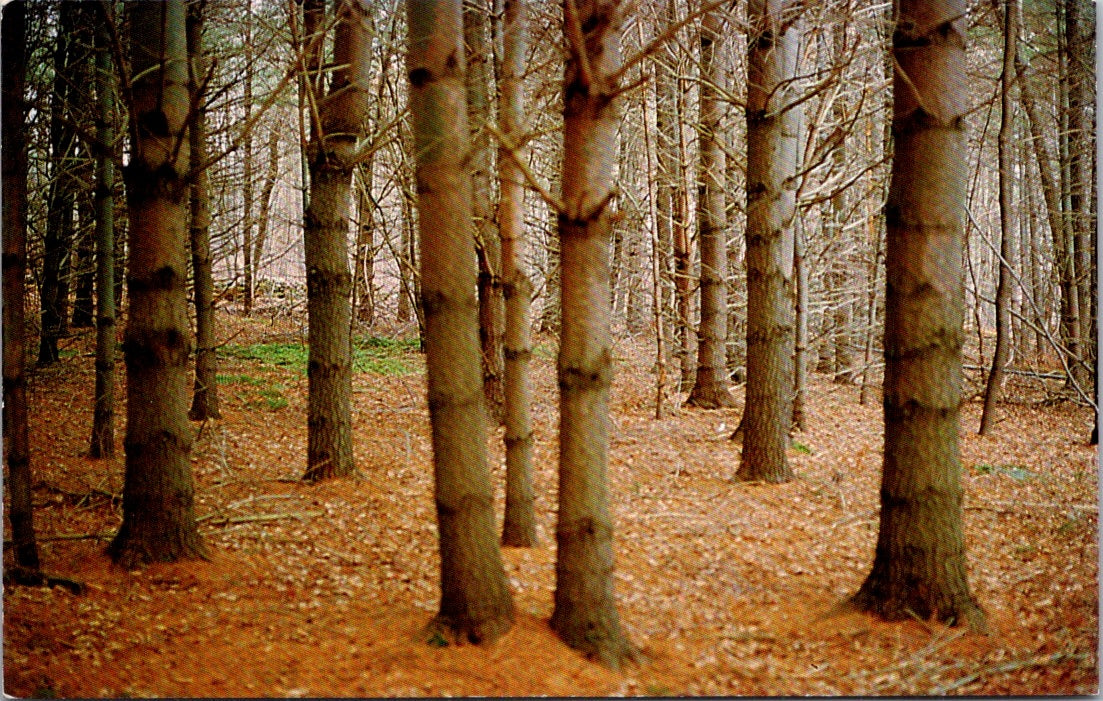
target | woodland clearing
[{"x": 324, "y": 590}]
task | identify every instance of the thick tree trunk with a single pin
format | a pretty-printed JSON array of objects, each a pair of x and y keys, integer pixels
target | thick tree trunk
[
  {"x": 519, "y": 525},
  {"x": 103, "y": 413},
  {"x": 13, "y": 154},
  {"x": 1007, "y": 219},
  {"x": 585, "y": 613},
  {"x": 772, "y": 157},
  {"x": 919, "y": 565},
  {"x": 476, "y": 604},
  {"x": 158, "y": 493},
  {"x": 328, "y": 279},
  {"x": 205, "y": 392},
  {"x": 710, "y": 387}
]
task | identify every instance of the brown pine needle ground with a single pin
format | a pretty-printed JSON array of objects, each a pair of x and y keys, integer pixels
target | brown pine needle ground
[{"x": 323, "y": 590}]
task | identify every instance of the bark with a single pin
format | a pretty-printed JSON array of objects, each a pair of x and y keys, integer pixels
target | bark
[
  {"x": 710, "y": 388},
  {"x": 271, "y": 175},
  {"x": 919, "y": 564},
  {"x": 1081, "y": 138},
  {"x": 772, "y": 157},
  {"x": 13, "y": 156},
  {"x": 683, "y": 251},
  {"x": 103, "y": 413},
  {"x": 519, "y": 525},
  {"x": 1007, "y": 218},
  {"x": 205, "y": 392},
  {"x": 158, "y": 492},
  {"x": 329, "y": 281},
  {"x": 487, "y": 243},
  {"x": 585, "y": 614},
  {"x": 476, "y": 604}
]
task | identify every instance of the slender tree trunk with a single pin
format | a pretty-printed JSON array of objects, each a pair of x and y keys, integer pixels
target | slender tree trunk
[
  {"x": 800, "y": 346},
  {"x": 205, "y": 392},
  {"x": 365, "y": 247},
  {"x": 772, "y": 158},
  {"x": 919, "y": 564},
  {"x": 1081, "y": 144},
  {"x": 1007, "y": 219},
  {"x": 519, "y": 526},
  {"x": 710, "y": 388},
  {"x": 487, "y": 243},
  {"x": 476, "y": 604},
  {"x": 248, "y": 265},
  {"x": 13, "y": 154},
  {"x": 585, "y": 613},
  {"x": 103, "y": 414},
  {"x": 328, "y": 279},
  {"x": 683, "y": 251},
  {"x": 158, "y": 492},
  {"x": 61, "y": 198},
  {"x": 1051, "y": 194},
  {"x": 271, "y": 175}
]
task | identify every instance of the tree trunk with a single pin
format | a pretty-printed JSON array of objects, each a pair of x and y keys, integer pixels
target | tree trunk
[
  {"x": 1051, "y": 194},
  {"x": 772, "y": 158},
  {"x": 476, "y": 604},
  {"x": 103, "y": 414},
  {"x": 919, "y": 565},
  {"x": 585, "y": 613},
  {"x": 13, "y": 67},
  {"x": 487, "y": 244},
  {"x": 519, "y": 526},
  {"x": 710, "y": 387},
  {"x": 332, "y": 158},
  {"x": 1007, "y": 219},
  {"x": 61, "y": 197},
  {"x": 158, "y": 493},
  {"x": 248, "y": 264},
  {"x": 271, "y": 175},
  {"x": 205, "y": 393}
]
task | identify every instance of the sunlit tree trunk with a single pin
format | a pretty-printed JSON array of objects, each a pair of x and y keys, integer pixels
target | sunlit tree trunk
[
  {"x": 103, "y": 414},
  {"x": 13, "y": 154},
  {"x": 476, "y": 604},
  {"x": 710, "y": 387},
  {"x": 332, "y": 154},
  {"x": 585, "y": 613},
  {"x": 1007, "y": 220},
  {"x": 205, "y": 392},
  {"x": 919, "y": 563},
  {"x": 772, "y": 158},
  {"x": 519, "y": 525},
  {"x": 158, "y": 492}
]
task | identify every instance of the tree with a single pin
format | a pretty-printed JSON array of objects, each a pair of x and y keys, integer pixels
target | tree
[
  {"x": 519, "y": 524},
  {"x": 710, "y": 388},
  {"x": 54, "y": 291},
  {"x": 919, "y": 562},
  {"x": 476, "y": 604},
  {"x": 13, "y": 66},
  {"x": 103, "y": 413},
  {"x": 205, "y": 393},
  {"x": 487, "y": 243},
  {"x": 585, "y": 613},
  {"x": 772, "y": 156},
  {"x": 158, "y": 492},
  {"x": 333, "y": 157},
  {"x": 1003, "y": 284}
]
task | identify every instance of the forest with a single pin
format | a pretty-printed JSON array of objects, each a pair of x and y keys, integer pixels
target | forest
[{"x": 581, "y": 348}]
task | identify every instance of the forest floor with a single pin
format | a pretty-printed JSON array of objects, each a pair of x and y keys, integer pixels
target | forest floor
[{"x": 324, "y": 590}]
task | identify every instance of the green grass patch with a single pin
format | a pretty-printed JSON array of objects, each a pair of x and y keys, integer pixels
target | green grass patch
[
  {"x": 240, "y": 380},
  {"x": 801, "y": 448},
  {"x": 1019, "y": 474},
  {"x": 379, "y": 356}
]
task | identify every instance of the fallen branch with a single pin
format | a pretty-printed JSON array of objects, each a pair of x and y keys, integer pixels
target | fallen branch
[
  {"x": 68, "y": 536},
  {"x": 258, "y": 518},
  {"x": 1005, "y": 667}
]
